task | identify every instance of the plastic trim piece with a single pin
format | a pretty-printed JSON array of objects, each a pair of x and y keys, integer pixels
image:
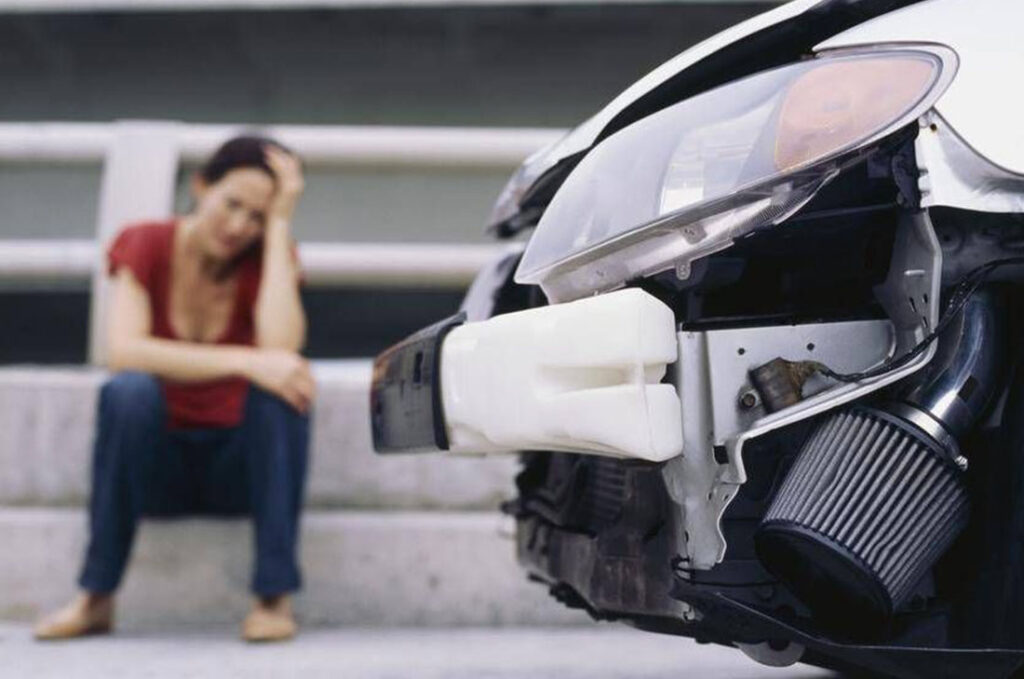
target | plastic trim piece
[
  {"x": 579, "y": 377},
  {"x": 406, "y": 412}
]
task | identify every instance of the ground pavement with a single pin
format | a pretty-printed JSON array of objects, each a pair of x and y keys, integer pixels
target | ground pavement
[{"x": 600, "y": 651}]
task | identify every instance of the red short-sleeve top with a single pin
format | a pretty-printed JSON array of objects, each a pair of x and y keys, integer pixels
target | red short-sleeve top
[{"x": 146, "y": 250}]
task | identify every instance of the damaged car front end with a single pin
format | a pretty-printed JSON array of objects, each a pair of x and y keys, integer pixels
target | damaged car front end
[{"x": 756, "y": 354}]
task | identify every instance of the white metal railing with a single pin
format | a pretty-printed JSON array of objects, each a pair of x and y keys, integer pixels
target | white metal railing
[
  {"x": 324, "y": 263},
  {"x": 317, "y": 144},
  {"x": 357, "y": 264},
  {"x": 343, "y": 264}
]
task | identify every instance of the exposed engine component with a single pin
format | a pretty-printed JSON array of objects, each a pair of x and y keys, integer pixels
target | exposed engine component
[
  {"x": 780, "y": 382},
  {"x": 958, "y": 385},
  {"x": 877, "y": 495},
  {"x": 868, "y": 507}
]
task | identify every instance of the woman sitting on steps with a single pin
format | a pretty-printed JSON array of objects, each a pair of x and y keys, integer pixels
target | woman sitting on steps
[{"x": 207, "y": 413}]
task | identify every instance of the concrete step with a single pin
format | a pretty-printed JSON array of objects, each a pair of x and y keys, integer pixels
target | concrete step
[
  {"x": 47, "y": 424},
  {"x": 360, "y": 568}
]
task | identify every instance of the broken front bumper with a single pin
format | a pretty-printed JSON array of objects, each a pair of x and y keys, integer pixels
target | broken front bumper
[{"x": 583, "y": 377}]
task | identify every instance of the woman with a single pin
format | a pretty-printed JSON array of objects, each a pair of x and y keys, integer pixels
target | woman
[{"x": 207, "y": 413}]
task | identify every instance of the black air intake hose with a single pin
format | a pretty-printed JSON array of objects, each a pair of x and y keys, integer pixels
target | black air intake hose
[{"x": 877, "y": 494}]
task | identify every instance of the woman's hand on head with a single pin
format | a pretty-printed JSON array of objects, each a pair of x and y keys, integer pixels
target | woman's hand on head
[
  {"x": 287, "y": 171},
  {"x": 285, "y": 374}
]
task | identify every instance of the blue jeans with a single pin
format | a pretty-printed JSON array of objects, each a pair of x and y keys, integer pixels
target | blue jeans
[{"x": 142, "y": 468}]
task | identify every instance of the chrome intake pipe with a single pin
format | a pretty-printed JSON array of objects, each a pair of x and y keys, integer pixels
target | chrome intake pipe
[{"x": 965, "y": 375}]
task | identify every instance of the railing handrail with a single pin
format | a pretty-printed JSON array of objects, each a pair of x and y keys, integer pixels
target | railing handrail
[
  {"x": 317, "y": 144},
  {"x": 323, "y": 264}
]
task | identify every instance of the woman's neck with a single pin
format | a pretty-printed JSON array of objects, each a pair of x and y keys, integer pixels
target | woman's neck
[{"x": 191, "y": 248}]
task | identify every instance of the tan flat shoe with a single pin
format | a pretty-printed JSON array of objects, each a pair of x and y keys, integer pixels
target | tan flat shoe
[
  {"x": 86, "y": 615},
  {"x": 270, "y": 620}
]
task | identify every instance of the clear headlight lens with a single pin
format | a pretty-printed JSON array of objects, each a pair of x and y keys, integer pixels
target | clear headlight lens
[{"x": 688, "y": 180}]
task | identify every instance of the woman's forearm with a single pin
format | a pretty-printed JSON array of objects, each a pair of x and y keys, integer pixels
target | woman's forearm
[
  {"x": 178, "y": 360},
  {"x": 279, "y": 317}
]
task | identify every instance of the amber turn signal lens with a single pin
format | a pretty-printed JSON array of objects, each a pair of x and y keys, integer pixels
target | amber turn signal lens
[{"x": 843, "y": 102}]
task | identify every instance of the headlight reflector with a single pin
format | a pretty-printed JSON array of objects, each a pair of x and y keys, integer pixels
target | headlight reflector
[{"x": 830, "y": 107}]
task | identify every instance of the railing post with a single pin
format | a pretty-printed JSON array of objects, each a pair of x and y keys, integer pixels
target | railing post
[{"x": 139, "y": 173}]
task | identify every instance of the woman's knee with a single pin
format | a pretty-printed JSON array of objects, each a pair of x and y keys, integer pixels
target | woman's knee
[
  {"x": 264, "y": 405},
  {"x": 132, "y": 394},
  {"x": 274, "y": 422}
]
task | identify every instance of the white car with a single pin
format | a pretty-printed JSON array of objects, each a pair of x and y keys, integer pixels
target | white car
[{"x": 756, "y": 352}]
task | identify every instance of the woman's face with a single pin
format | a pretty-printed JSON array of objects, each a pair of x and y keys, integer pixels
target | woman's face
[{"x": 231, "y": 213}]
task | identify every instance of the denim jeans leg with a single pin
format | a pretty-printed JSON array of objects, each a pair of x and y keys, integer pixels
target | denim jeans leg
[
  {"x": 129, "y": 435},
  {"x": 275, "y": 440}
]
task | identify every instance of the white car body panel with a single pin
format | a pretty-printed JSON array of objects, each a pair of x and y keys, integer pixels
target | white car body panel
[{"x": 955, "y": 175}]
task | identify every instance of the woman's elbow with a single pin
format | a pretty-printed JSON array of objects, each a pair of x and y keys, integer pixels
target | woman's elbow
[
  {"x": 123, "y": 354},
  {"x": 117, "y": 357}
]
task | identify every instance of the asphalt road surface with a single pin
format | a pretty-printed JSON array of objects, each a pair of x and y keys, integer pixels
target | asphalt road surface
[{"x": 598, "y": 652}]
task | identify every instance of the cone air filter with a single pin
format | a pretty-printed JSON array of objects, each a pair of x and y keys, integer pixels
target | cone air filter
[{"x": 868, "y": 507}]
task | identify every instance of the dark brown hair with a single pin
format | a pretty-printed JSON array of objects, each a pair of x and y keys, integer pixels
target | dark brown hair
[{"x": 238, "y": 152}]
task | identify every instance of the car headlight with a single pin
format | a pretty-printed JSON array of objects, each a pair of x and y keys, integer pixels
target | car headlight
[{"x": 688, "y": 180}]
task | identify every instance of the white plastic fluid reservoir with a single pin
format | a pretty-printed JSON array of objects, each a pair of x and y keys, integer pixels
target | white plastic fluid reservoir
[{"x": 583, "y": 376}]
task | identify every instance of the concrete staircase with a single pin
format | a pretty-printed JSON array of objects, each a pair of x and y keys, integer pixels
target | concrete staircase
[{"x": 401, "y": 540}]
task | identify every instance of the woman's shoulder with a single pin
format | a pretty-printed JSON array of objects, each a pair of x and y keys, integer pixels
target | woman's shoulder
[
  {"x": 152, "y": 238},
  {"x": 148, "y": 230},
  {"x": 144, "y": 247}
]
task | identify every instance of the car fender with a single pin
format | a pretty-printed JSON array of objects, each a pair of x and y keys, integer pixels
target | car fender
[{"x": 984, "y": 112}]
